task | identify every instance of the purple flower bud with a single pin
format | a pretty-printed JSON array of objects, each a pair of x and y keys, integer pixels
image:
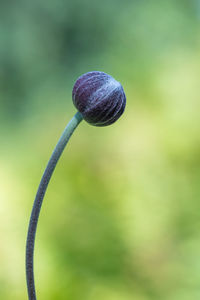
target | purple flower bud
[{"x": 99, "y": 98}]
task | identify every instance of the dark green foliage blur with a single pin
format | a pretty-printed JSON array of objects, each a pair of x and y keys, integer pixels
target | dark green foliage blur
[{"x": 121, "y": 217}]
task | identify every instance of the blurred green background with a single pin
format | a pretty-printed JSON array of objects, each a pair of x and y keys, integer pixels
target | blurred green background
[{"x": 121, "y": 218}]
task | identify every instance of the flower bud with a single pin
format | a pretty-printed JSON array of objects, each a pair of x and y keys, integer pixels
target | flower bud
[{"x": 99, "y": 98}]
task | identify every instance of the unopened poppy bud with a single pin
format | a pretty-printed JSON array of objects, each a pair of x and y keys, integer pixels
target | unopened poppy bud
[{"x": 99, "y": 98}]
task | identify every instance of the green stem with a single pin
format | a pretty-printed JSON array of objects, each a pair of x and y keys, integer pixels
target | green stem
[{"x": 39, "y": 198}]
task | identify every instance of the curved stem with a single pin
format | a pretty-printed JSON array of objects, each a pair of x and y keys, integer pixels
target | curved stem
[{"x": 39, "y": 198}]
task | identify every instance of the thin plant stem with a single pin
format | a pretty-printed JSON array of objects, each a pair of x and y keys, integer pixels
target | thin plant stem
[{"x": 39, "y": 198}]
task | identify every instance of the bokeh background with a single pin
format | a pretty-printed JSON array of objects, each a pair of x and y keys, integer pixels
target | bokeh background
[{"x": 121, "y": 218}]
